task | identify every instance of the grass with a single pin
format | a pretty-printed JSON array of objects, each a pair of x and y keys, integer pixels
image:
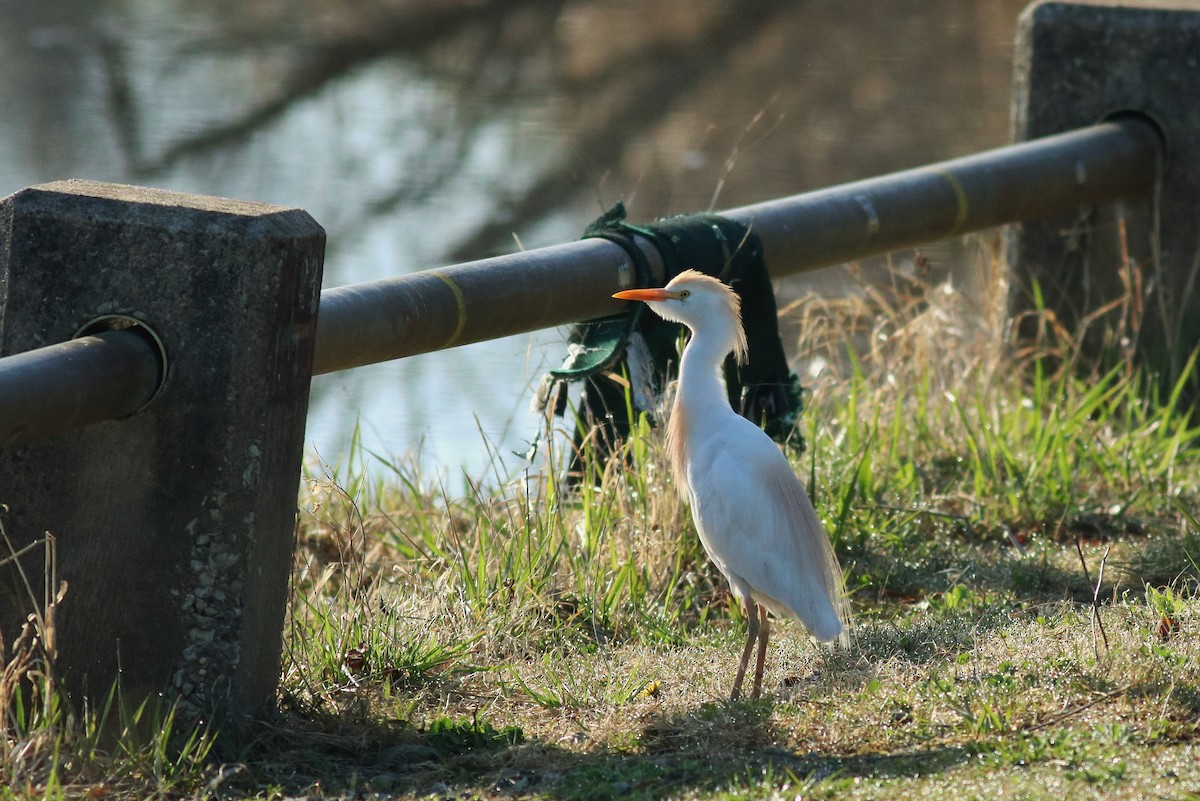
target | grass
[
  {"x": 50, "y": 750},
  {"x": 1020, "y": 545}
]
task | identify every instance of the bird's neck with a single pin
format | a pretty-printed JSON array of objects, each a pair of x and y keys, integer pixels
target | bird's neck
[
  {"x": 700, "y": 400},
  {"x": 701, "y": 385}
]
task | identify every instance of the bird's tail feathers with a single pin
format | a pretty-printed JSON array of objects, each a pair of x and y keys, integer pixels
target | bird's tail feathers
[{"x": 820, "y": 604}]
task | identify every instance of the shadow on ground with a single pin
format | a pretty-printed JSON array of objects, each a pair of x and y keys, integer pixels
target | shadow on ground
[{"x": 300, "y": 754}]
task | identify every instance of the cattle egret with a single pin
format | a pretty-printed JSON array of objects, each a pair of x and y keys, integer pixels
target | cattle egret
[{"x": 753, "y": 516}]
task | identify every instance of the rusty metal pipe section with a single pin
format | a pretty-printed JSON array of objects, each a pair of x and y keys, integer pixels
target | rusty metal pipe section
[
  {"x": 66, "y": 386},
  {"x": 441, "y": 308},
  {"x": 434, "y": 309},
  {"x": 1036, "y": 179}
]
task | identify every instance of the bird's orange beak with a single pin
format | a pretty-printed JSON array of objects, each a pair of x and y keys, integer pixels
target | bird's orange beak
[{"x": 645, "y": 294}]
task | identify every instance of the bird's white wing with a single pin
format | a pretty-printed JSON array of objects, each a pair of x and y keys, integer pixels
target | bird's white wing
[{"x": 759, "y": 526}]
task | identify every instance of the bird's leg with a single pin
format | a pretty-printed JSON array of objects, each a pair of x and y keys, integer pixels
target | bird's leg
[
  {"x": 751, "y": 636},
  {"x": 764, "y": 635}
]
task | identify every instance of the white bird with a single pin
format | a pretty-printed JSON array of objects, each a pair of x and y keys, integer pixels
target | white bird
[{"x": 753, "y": 516}]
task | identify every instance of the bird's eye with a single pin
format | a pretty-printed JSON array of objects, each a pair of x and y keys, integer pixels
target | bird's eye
[{"x": 684, "y": 293}]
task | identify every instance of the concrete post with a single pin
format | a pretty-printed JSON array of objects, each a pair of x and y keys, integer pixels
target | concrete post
[
  {"x": 1078, "y": 63},
  {"x": 173, "y": 527}
]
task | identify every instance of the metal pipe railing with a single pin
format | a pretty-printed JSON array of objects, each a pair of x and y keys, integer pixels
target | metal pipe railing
[
  {"x": 1035, "y": 179},
  {"x": 73, "y": 384},
  {"x": 426, "y": 311},
  {"x": 110, "y": 375}
]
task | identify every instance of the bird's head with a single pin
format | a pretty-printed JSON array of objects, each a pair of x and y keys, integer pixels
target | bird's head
[{"x": 702, "y": 303}]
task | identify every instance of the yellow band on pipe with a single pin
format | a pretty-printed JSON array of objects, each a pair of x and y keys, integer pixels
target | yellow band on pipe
[
  {"x": 462, "y": 308},
  {"x": 960, "y": 196}
]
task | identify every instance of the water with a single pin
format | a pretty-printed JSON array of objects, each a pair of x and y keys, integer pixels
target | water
[{"x": 426, "y": 134}]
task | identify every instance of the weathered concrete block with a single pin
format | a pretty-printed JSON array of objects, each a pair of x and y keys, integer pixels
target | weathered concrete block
[
  {"x": 174, "y": 526},
  {"x": 1081, "y": 62}
]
